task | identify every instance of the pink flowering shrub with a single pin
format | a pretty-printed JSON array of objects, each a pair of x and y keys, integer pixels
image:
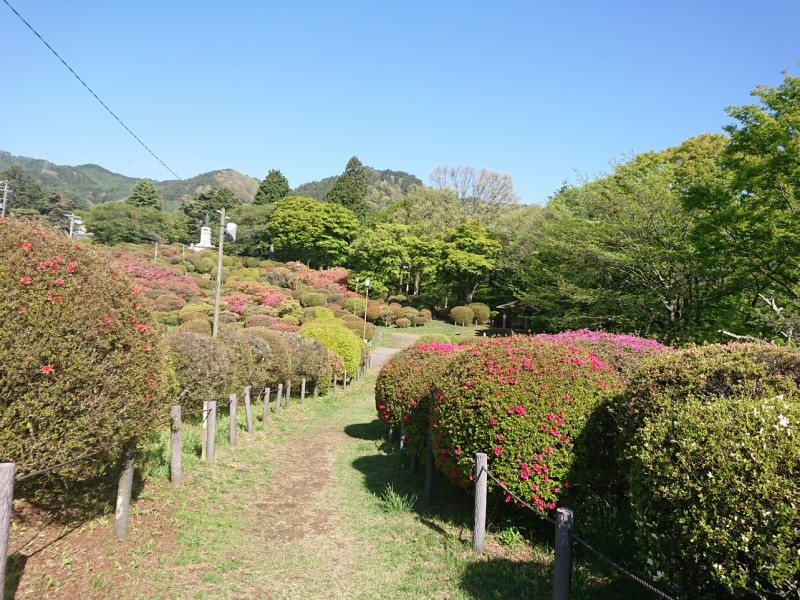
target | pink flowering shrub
[
  {"x": 522, "y": 401},
  {"x": 81, "y": 363},
  {"x": 236, "y": 302},
  {"x": 624, "y": 353},
  {"x": 405, "y": 388},
  {"x": 152, "y": 277},
  {"x": 334, "y": 279}
]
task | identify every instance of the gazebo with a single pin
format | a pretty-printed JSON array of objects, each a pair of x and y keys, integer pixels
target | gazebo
[{"x": 522, "y": 311}]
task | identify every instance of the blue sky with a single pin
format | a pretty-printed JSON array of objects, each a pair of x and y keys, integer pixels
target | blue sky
[{"x": 543, "y": 91}]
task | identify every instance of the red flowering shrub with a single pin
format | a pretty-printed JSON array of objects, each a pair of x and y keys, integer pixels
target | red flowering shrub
[
  {"x": 404, "y": 388},
  {"x": 523, "y": 402},
  {"x": 336, "y": 276},
  {"x": 152, "y": 277},
  {"x": 81, "y": 365},
  {"x": 236, "y": 302},
  {"x": 374, "y": 311},
  {"x": 462, "y": 315},
  {"x": 280, "y": 326},
  {"x": 432, "y": 337}
]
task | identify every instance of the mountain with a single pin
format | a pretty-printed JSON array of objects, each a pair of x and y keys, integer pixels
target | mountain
[
  {"x": 87, "y": 185},
  {"x": 92, "y": 184},
  {"x": 382, "y": 187}
]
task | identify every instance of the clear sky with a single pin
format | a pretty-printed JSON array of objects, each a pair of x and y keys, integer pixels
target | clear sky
[{"x": 543, "y": 91}]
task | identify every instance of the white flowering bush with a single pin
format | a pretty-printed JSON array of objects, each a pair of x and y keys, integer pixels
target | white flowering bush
[{"x": 715, "y": 488}]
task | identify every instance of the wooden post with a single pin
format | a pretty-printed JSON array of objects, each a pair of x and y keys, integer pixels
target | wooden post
[
  {"x": 402, "y": 436},
  {"x": 288, "y": 393},
  {"x": 204, "y": 432},
  {"x": 479, "y": 530},
  {"x": 175, "y": 446},
  {"x": 248, "y": 413},
  {"x": 124, "y": 492},
  {"x": 316, "y": 391},
  {"x": 335, "y": 380},
  {"x": 232, "y": 413},
  {"x": 391, "y": 435},
  {"x": 428, "y": 469},
  {"x": 303, "y": 391},
  {"x": 7, "y": 471},
  {"x": 344, "y": 381},
  {"x": 278, "y": 399},
  {"x": 212, "y": 432},
  {"x": 265, "y": 415},
  {"x": 562, "y": 571}
]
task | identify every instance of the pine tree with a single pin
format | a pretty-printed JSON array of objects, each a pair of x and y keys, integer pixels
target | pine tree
[
  {"x": 274, "y": 187},
  {"x": 350, "y": 190},
  {"x": 144, "y": 195}
]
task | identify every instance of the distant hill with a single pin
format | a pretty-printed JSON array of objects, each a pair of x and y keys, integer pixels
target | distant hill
[
  {"x": 92, "y": 184},
  {"x": 87, "y": 185},
  {"x": 383, "y": 187}
]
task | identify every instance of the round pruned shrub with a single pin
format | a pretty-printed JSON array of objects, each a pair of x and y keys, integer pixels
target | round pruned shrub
[
  {"x": 462, "y": 315},
  {"x": 273, "y": 359},
  {"x": 523, "y": 402},
  {"x": 402, "y": 323},
  {"x": 82, "y": 367},
  {"x": 196, "y": 311},
  {"x": 404, "y": 389},
  {"x": 354, "y": 305},
  {"x": 243, "y": 366},
  {"x": 375, "y": 311},
  {"x": 410, "y": 313},
  {"x": 714, "y": 489},
  {"x": 259, "y": 321},
  {"x": 168, "y": 303},
  {"x": 320, "y": 312},
  {"x": 439, "y": 338},
  {"x": 419, "y": 321},
  {"x": 310, "y": 360},
  {"x": 196, "y": 326},
  {"x": 203, "y": 367},
  {"x": 337, "y": 338},
  {"x": 425, "y": 312},
  {"x": 480, "y": 312},
  {"x": 313, "y": 299}
]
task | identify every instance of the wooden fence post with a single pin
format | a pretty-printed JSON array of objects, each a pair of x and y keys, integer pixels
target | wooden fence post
[
  {"x": 316, "y": 391},
  {"x": 344, "y": 381},
  {"x": 7, "y": 472},
  {"x": 232, "y": 413},
  {"x": 212, "y": 431},
  {"x": 248, "y": 412},
  {"x": 335, "y": 380},
  {"x": 204, "y": 432},
  {"x": 124, "y": 492},
  {"x": 479, "y": 529},
  {"x": 278, "y": 399},
  {"x": 288, "y": 393},
  {"x": 175, "y": 446},
  {"x": 562, "y": 571},
  {"x": 265, "y": 414},
  {"x": 390, "y": 437},
  {"x": 428, "y": 469},
  {"x": 303, "y": 391}
]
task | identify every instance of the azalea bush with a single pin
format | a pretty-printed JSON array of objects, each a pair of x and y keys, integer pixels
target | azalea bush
[
  {"x": 203, "y": 367},
  {"x": 480, "y": 311},
  {"x": 337, "y": 338},
  {"x": 405, "y": 386},
  {"x": 523, "y": 402},
  {"x": 82, "y": 367},
  {"x": 714, "y": 489},
  {"x": 273, "y": 357},
  {"x": 310, "y": 359}
]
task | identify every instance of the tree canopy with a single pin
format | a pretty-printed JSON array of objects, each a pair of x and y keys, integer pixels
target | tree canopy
[
  {"x": 144, "y": 195},
  {"x": 350, "y": 190},
  {"x": 274, "y": 187}
]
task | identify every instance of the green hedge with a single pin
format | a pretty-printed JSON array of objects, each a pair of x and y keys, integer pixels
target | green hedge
[
  {"x": 523, "y": 402},
  {"x": 82, "y": 367},
  {"x": 309, "y": 360},
  {"x": 480, "y": 311},
  {"x": 462, "y": 315},
  {"x": 273, "y": 359},
  {"x": 337, "y": 338},
  {"x": 203, "y": 367}
]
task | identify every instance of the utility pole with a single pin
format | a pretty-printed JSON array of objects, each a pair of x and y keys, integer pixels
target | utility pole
[
  {"x": 4, "y": 183},
  {"x": 219, "y": 272},
  {"x": 71, "y": 218}
]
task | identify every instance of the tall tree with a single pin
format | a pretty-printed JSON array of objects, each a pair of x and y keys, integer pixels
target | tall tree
[
  {"x": 144, "y": 195},
  {"x": 484, "y": 193},
  {"x": 469, "y": 255},
  {"x": 115, "y": 222},
  {"x": 350, "y": 190},
  {"x": 25, "y": 195},
  {"x": 274, "y": 187}
]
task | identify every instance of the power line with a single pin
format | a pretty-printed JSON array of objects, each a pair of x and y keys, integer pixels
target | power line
[{"x": 36, "y": 33}]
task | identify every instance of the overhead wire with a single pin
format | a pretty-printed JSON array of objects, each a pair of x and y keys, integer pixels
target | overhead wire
[{"x": 103, "y": 104}]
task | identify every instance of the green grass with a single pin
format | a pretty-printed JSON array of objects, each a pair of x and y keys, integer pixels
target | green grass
[{"x": 439, "y": 327}]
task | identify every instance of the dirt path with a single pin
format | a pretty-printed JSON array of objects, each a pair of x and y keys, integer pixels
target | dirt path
[{"x": 395, "y": 343}]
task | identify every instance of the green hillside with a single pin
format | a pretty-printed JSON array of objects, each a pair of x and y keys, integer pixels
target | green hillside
[{"x": 383, "y": 187}]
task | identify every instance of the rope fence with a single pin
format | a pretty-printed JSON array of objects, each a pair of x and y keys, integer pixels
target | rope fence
[
  {"x": 562, "y": 569},
  {"x": 209, "y": 411}
]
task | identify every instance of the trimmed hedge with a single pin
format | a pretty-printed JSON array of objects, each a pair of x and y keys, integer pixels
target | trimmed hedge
[
  {"x": 480, "y": 311},
  {"x": 337, "y": 338},
  {"x": 310, "y": 360},
  {"x": 714, "y": 469},
  {"x": 405, "y": 386},
  {"x": 168, "y": 303},
  {"x": 273, "y": 357},
  {"x": 462, "y": 315},
  {"x": 203, "y": 366},
  {"x": 439, "y": 338},
  {"x": 308, "y": 299},
  {"x": 523, "y": 402},
  {"x": 82, "y": 367}
]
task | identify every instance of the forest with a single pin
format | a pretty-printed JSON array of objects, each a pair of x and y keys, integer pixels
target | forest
[{"x": 697, "y": 242}]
